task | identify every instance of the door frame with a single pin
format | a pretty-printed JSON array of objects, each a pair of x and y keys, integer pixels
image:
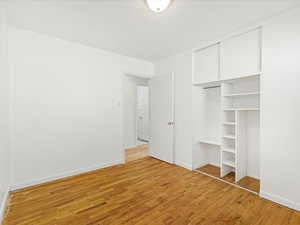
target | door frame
[
  {"x": 124, "y": 76},
  {"x": 136, "y": 118},
  {"x": 146, "y": 76}
]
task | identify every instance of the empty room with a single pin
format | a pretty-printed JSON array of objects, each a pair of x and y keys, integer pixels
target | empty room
[{"x": 149, "y": 112}]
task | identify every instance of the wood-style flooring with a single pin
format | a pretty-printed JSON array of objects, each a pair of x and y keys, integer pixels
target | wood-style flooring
[
  {"x": 143, "y": 192},
  {"x": 138, "y": 152},
  {"x": 247, "y": 182}
]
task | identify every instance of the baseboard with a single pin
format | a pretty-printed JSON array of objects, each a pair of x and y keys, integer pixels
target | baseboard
[
  {"x": 156, "y": 156},
  {"x": 184, "y": 165},
  {"x": 178, "y": 163},
  {"x": 133, "y": 146},
  {"x": 196, "y": 166},
  {"x": 159, "y": 158},
  {"x": 3, "y": 205},
  {"x": 64, "y": 175},
  {"x": 130, "y": 146},
  {"x": 280, "y": 200},
  {"x": 214, "y": 164},
  {"x": 253, "y": 175}
]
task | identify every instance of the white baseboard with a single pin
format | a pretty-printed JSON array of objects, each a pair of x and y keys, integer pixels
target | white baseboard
[
  {"x": 253, "y": 175},
  {"x": 160, "y": 158},
  {"x": 153, "y": 155},
  {"x": 214, "y": 164},
  {"x": 178, "y": 163},
  {"x": 130, "y": 146},
  {"x": 280, "y": 200},
  {"x": 64, "y": 175},
  {"x": 184, "y": 165},
  {"x": 157, "y": 157},
  {"x": 3, "y": 205},
  {"x": 196, "y": 166}
]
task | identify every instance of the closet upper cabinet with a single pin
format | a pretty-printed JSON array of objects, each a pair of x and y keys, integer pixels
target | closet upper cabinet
[
  {"x": 206, "y": 64},
  {"x": 241, "y": 55}
]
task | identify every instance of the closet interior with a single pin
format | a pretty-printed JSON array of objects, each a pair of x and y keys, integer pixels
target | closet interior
[{"x": 226, "y": 109}]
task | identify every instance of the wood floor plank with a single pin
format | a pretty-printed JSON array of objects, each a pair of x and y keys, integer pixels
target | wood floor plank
[
  {"x": 139, "y": 152},
  {"x": 247, "y": 182},
  {"x": 143, "y": 192},
  {"x": 250, "y": 183}
]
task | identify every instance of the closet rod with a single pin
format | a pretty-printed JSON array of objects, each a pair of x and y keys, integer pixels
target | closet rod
[{"x": 212, "y": 87}]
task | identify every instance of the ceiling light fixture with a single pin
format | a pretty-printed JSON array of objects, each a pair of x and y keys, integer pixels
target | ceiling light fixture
[{"x": 158, "y": 5}]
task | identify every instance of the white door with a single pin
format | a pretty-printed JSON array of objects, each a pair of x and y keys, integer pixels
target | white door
[
  {"x": 162, "y": 117},
  {"x": 143, "y": 113}
]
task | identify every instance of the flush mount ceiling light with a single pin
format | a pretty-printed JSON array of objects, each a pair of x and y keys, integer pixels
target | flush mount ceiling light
[{"x": 158, "y": 5}]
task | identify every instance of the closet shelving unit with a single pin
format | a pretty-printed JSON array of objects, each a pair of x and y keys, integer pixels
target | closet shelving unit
[
  {"x": 237, "y": 98},
  {"x": 226, "y": 109}
]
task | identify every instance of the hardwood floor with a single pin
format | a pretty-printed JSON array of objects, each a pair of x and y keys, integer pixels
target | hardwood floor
[
  {"x": 250, "y": 183},
  {"x": 247, "y": 182},
  {"x": 143, "y": 192},
  {"x": 138, "y": 152}
]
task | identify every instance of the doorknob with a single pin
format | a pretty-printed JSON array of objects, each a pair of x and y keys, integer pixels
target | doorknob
[{"x": 170, "y": 123}]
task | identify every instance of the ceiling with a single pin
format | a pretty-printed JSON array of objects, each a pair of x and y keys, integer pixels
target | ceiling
[{"x": 129, "y": 28}]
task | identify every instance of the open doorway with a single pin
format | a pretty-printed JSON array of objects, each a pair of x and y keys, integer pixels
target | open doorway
[
  {"x": 142, "y": 114},
  {"x": 135, "y": 117}
]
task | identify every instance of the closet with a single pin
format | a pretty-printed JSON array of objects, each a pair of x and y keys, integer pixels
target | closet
[{"x": 226, "y": 109}]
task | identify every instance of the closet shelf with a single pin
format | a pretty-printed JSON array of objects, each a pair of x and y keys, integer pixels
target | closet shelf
[
  {"x": 210, "y": 141},
  {"x": 242, "y": 94},
  {"x": 241, "y": 109},
  {"x": 229, "y": 163},
  {"x": 230, "y": 150},
  {"x": 229, "y": 123},
  {"x": 229, "y": 136},
  {"x": 217, "y": 82}
]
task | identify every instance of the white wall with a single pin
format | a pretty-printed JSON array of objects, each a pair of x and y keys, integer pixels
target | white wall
[
  {"x": 280, "y": 155},
  {"x": 130, "y": 84},
  {"x": 181, "y": 65},
  {"x": 4, "y": 112},
  {"x": 66, "y": 106}
]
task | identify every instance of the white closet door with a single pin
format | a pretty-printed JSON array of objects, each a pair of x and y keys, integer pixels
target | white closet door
[
  {"x": 161, "y": 118},
  {"x": 206, "y": 64},
  {"x": 241, "y": 55}
]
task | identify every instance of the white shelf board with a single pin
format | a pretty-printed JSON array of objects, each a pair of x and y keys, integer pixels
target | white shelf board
[
  {"x": 216, "y": 82},
  {"x": 229, "y": 136},
  {"x": 241, "y": 109},
  {"x": 207, "y": 83},
  {"x": 242, "y": 94},
  {"x": 230, "y": 150},
  {"x": 229, "y": 163},
  {"x": 229, "y": 123},
  {"x": 210, "y": 141}
]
